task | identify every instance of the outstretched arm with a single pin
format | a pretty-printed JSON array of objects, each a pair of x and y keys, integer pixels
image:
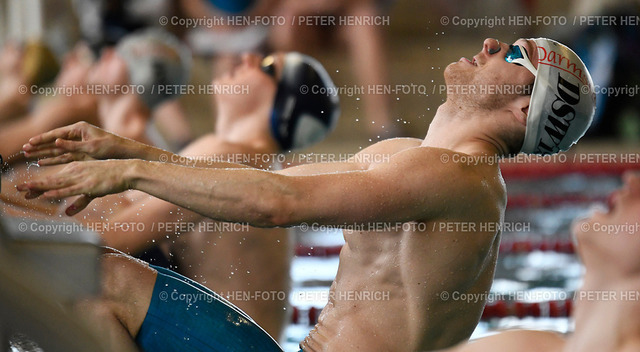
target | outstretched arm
[
  {"x": 83, "y": 141},
  {"x": 408, "y": 187}
]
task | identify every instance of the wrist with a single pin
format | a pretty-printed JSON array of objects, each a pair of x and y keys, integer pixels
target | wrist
[
  {"x": 135, "y": 150},
  {"x": 131, "y": 149},
  {"x": 135, "y": 171}
]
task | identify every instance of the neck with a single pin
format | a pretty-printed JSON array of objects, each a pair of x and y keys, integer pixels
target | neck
[
  {"x": 611, "y": 302},
  {"x": 251, "y": 130},
  {"x": 463, "y": 131}
]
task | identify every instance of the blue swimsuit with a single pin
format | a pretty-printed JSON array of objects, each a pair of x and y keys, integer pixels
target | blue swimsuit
[{"x": 186, "y": 316}]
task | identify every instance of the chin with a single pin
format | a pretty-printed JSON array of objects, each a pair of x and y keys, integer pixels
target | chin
[
  {"x": 448, "y": 72},
  {"x": 454, "y": 74}
]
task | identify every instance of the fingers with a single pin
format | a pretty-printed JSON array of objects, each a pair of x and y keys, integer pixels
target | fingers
[
  {"x": 30, "y": 148},
  {"x": 60, "y": 152},
  {"x": 78, "y": 205},
  {"x": 42, "y": 151},
  {"x": 71, "y": 146},
  {"x": 56, "y": 189},
  {"x": 64, "y": 159},
  {"x": 65, "y": 192},
  {"x": 41, "y": 186},
  {"x": 67, "y": 132}
]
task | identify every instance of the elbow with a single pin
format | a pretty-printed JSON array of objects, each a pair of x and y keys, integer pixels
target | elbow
[{"x": 276, "y": 212}]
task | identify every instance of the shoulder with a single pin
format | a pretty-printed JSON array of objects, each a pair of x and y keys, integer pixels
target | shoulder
[
  {"x": 458, "y": 167},
  {"x": 391, "y": 146},
  {"x": 436, "y": 175},
  {"x": 466, "y": 182}
]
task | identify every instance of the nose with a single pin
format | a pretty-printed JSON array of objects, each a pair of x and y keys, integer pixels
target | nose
[{"x": 491, "y": 46}]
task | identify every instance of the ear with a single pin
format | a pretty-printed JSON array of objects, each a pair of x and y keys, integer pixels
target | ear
[{"x": 519, "y": 107}]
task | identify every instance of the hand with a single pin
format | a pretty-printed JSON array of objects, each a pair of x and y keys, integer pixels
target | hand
[
  {"x": 91, "y": 179},
  {"x": 78, "y": 142}
]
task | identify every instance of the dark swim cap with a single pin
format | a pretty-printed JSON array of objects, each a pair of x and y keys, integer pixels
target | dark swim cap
[
  {"x": 301, "y": 116},
  {"x": 232, "y": 6}
]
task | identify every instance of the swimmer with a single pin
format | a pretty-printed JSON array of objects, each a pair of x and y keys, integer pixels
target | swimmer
[
  {"x": 23, "y": 65},
  {"x": 144, "y": 60},
  {"x": 250, "y": 125},
  {"x": 607, "y": 307},
  {"x": 12, "y": 103},
  {"x": 419, "y": 184},
  {"x": 365, "y": 45},
  {"x": 103, "y": 91}
]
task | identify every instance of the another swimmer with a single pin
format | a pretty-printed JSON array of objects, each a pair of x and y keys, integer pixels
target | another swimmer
[
  {"x": 255, "y": 126},
  {"x": 607, "y": 307},
  {"x": 121, "y": 89},
  {"x": 408, "y": 253}
]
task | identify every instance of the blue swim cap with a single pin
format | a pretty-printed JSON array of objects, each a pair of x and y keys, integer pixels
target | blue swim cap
[{"x": 304, "y": 111}]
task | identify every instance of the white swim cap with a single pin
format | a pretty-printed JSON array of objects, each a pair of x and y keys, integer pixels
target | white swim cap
[
  {"x": 155, "y": 58},
  {"x": 563, "y": 100}
]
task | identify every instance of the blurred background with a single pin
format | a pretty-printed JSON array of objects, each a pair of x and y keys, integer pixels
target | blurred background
[
  {"x": 410, "y": 46},
  {"x": 406, "y": 51}
]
